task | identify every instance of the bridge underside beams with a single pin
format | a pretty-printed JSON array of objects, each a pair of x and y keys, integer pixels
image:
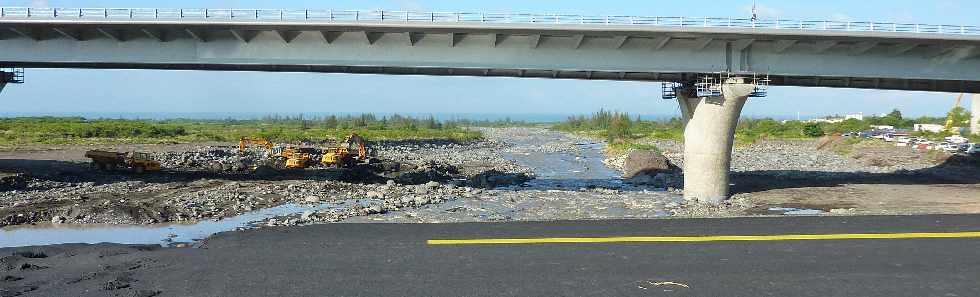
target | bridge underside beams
[
  {"x": 794, "y": 81},
  {"x": 573, "y": 52}
]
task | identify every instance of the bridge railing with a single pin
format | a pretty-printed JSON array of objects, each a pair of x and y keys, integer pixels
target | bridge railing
[{"x": 321, "y": 15}]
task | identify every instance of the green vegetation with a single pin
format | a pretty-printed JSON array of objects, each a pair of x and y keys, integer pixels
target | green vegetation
[
  {"x": 623, "y": 131},
  {"x": 76, "y": 130}
]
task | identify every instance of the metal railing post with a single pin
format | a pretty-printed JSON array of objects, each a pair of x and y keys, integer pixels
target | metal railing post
[
  {"x": 280, "y": 14},
  {"x": 705, "y": 22},
  {"x": 307, "y": 12},
  {"x": 382, "y": 13},
  {"x": 156, "y": 13},
  {"x": 406, "y": 16},
  {"x": 105, "y": 12},
  {"x": 872, "y": 26},
  {"x": 330, "y": 12},
  {"x": 181, "y": 12},
  {"x": 206, "y": 13}
]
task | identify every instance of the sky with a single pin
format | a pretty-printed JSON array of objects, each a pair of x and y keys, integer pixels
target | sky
[{"x": 61, "y": 91}]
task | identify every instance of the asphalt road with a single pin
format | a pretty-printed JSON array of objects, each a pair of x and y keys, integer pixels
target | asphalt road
[{"x": 396, "y": 260}]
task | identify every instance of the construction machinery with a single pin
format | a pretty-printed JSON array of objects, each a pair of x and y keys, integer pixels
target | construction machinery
[
  {"x": 280, "y": 158},
  {"x": 293, "y": 158},
  {"x": 138, "y": 162},
  {"x": 244, "y": 142},
  {"x": 349, "y": 153},
  {"x": 949, "y": 119}
]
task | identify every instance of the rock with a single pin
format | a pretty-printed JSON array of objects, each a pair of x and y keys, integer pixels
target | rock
[
  {"x": 374, "y": 195},
  {"x": 432, "y": 185},
  {"x": 307, "y": 215},
  {"x": 390, "y": 183},
  {"x": 57, "y": 220},
  {"x": 646, "y": 162},
  {"x": 312, "y": 199}
]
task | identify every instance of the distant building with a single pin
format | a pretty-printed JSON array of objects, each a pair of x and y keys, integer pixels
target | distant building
[
  {"x": 857, "y": 116},
  {"x": 837, "y": 119},
  {"x": 934, "y": 128},
  {"x": 882, "y": 127}
]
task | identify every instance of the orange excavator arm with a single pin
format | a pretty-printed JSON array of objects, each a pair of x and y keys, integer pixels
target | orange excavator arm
[{"x": 357, "y": 140}]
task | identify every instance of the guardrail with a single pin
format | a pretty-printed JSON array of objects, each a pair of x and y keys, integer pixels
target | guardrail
[{"x": 470, "y": 17}]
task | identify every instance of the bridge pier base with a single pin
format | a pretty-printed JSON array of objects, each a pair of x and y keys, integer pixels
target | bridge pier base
[{"x": 709, "y": 134}]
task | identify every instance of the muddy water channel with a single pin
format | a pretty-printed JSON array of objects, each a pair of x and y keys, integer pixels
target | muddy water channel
[{"x": 570, "y": 182}]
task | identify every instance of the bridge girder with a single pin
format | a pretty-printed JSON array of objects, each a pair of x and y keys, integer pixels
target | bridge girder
[{"x": 757, "y": 52}]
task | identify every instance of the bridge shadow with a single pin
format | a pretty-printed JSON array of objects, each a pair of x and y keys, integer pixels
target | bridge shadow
[{"x": 955, "y": 170}]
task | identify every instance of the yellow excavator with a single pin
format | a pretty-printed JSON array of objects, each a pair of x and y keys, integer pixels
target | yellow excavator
[
  {"x": 288, "y": 158},
  {"x": 350, "y": 152}
]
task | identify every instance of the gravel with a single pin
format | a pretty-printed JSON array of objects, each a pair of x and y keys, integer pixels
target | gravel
[{"x": 193, "y": 188}]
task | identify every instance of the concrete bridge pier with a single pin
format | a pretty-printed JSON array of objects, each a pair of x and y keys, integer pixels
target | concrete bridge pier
[{"x": 709, "y": 134}]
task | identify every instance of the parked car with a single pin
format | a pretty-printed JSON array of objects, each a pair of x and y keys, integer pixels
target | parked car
[
  {"x": 956, "y": 139},
  {"x": 951, "y": 147},
  {"x": 973, "y": 149}
]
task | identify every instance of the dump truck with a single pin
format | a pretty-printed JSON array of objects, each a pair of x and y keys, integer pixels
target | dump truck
[
  {"x": 349, "y": 153},
  {"x": 138, "y": 162}
]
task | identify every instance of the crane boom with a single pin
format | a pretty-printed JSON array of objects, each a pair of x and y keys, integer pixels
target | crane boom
[{"x": 949, "y": 118}]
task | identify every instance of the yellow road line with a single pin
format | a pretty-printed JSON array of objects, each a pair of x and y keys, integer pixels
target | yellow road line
[{"x": 703, "y": 238}]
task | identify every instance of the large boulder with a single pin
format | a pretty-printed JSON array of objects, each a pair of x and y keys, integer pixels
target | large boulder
[{"x": 648, "y": 168}]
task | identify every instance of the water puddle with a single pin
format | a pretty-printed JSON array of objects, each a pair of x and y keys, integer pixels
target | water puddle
[
  {"x": 162, "y": 234},
  {"x": 792, "y": 211}
]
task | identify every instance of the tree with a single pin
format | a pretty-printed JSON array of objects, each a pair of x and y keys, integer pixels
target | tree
[
  {"x": 812, "y": 130},
  {"x": 959, "y": 115},
  {"x": 619, "y": 128},
  {"x": 893, "y": 118}
]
